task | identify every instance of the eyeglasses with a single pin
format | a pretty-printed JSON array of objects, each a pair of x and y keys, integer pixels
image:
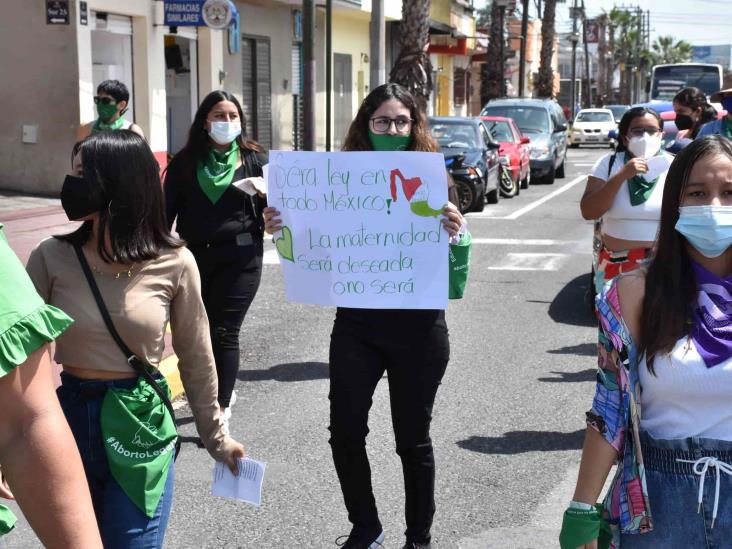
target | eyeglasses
[
  {"x": 638, "y": 132},
  {"x": 104, "y": 100},
  {"x": 381, "y": 124}
]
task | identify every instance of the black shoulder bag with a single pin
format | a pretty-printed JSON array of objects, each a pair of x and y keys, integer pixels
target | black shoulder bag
[{"x": 135, "y": 362}]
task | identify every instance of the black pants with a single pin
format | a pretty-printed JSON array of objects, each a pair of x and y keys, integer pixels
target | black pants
[
  {"x": 415, "y": 363},
  {"x": 230, "y": 277}
]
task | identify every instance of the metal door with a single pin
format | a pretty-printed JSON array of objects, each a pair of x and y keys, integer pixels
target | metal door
[{"x": 342, "y": 98}]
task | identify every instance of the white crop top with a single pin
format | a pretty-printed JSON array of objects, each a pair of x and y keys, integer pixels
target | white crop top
[
  {"x": 623, "y": 220},
  {"x": 685, "y": 398}
]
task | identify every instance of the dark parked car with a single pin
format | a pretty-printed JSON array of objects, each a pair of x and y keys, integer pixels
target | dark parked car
[
  {"x": 618, "y": 111},
  {"x": 543, "y": 121},
  {"x": 471, "y": 157}
]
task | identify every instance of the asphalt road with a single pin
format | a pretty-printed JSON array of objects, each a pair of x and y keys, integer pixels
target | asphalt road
[{"x": 508, "y": 420}]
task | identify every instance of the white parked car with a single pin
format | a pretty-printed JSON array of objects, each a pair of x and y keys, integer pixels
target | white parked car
[{"x": 591, "y": 126}]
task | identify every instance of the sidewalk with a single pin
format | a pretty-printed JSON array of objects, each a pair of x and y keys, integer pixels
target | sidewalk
[{"x": 29, "y": 219}]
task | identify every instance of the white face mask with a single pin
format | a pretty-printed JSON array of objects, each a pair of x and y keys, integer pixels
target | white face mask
[
  {"x": 225, "y": 132},
  {"x": 646, "y": 146}
]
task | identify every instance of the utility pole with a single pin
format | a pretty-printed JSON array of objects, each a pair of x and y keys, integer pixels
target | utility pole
[
  {"x": 328, "y": 73},
  {"x": 308, "y": 47},
  {"x": 602, "y": 61},
  {"x": 573, "y": 38},
  {"x": 588, "y": 76},
  {"x": 503, "y": 48},
  {"x": 638, "y": 62},
  {"x": 377, "y": 71},
  {"x": 522, "y": 53}
]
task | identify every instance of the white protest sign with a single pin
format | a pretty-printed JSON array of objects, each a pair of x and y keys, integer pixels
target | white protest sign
[{"x": 361, "y": 229}]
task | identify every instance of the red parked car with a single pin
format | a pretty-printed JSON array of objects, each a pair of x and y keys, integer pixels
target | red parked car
[{"x": 514, "y": 152}]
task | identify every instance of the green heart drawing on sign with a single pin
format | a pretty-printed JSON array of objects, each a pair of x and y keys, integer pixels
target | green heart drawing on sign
[{"x": 284, "y": 245}]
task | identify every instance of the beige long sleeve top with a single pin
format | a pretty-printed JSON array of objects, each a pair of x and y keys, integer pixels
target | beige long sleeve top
[{"x": 160, "y": 291}]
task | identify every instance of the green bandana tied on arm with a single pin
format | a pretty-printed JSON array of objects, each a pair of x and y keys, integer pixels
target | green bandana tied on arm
[
  {"x": 217, "y": 172},
  {"x": 580, "y": 527},
  {"x": 100, "y": 126},
  {"x": 7, "y": 520},
  {"x": 139, "y": 440}
]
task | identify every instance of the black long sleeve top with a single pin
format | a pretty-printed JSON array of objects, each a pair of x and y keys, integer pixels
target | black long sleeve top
[{"x": 201, "y": 222}]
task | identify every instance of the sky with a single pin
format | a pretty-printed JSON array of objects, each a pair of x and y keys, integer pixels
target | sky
[{"x": 700, "y": 22}]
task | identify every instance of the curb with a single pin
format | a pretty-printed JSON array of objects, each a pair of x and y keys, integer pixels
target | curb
[{"x": 169, "y": 368}]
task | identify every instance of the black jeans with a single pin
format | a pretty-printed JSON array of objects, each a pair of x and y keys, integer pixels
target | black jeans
[
  {"x": 230, "y": 277},
  {"x": 415, "y": 362}
]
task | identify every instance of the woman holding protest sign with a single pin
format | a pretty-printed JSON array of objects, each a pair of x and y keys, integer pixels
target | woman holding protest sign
[
  {"x": 123, "y": 277},
  {"x": 411, "y": 346},
  {"x": 220, "y": 218}
]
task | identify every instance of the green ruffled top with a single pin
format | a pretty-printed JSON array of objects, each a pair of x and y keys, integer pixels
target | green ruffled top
[{"x": 26, "y": 322}]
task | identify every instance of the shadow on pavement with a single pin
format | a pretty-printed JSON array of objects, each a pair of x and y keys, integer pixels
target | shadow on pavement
[
  {"x": 572, "y": 377},
  {"x": 583, "y": 349},
  {"x": 519, "y": 442},
  {"x": 294, "y": 371},
  {"x": 570, "y": 305}
]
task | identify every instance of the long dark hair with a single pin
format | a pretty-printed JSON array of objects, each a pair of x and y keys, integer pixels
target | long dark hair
[
  {"x": 357, "y": 138},
  {"x": 127, "y": 178},
  {"x": 694, "y": 99},
  {"x": 199, "y": 142},
  {"x": 670, "y": 283},
  {"x": 628, "y": 117}
]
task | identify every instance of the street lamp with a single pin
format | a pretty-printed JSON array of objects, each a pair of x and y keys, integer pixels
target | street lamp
[{"x": 573, "y": 38}]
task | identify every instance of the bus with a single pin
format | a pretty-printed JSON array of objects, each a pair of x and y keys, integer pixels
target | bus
[{"x": 668, "y": 80}]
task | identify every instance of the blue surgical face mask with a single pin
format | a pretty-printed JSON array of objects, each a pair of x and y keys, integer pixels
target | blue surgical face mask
[
  {"x": 225, "y": 132},
  {"x": 707, "y": 228}
]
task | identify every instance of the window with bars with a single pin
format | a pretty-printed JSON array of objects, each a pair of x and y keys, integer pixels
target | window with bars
[{"x": 257, "y": 88}]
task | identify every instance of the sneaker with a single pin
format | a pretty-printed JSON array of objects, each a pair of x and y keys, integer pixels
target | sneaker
[
  {"x": 415, "y": 545},
  {"x": 359, "y": 540},
  {"x": 225, "y": 417},
  {"x": 232, "y": 400}
]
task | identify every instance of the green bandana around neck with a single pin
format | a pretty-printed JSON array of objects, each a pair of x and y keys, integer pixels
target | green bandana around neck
[
  {"x": 216, "y": 173},
  {"x": 139, "y": 441},
  {"x": 7, "y": 520},
  {"x": 640, "y": 189},
  {"x": 726, "y": 128},
  {"x": 100, "y": 126},
  {"x": 388, "y": 143}
]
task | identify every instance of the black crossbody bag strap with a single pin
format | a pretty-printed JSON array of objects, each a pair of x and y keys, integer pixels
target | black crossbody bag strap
[{"x": 135, "y": 362}]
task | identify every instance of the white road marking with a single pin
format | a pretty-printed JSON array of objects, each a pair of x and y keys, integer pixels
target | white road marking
[
  {"x": 547, "y": 198},
  {"x": 529, "y": 262}
]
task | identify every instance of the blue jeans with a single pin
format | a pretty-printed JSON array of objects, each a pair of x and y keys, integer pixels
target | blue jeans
[
  {"x": 121, "y": 523},
  {"x": 673, "y": 490}
]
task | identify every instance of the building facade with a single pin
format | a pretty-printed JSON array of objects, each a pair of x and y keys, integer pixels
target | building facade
[{"x": 56, "y": 67}]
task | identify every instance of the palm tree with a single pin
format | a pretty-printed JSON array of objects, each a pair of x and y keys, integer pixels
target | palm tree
[
  {"x": 665, "y": 50},
  {"x": 545, "y": 81},
  {"x": 624, "y": 27},
  {"x": 413, "y": 68},
  {"x": 491, "y": 74}
]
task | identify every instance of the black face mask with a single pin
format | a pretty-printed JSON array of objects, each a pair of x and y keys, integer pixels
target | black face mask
[
  {"x": 79, "y": 197},
  {"x": 684, "y": 122}
]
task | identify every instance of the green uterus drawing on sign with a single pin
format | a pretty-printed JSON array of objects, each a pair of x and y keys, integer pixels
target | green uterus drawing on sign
[{"x": 416, "y": 193}]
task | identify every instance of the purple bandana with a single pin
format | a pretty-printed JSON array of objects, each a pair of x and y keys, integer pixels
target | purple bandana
[{"x": 712, "y": 331}]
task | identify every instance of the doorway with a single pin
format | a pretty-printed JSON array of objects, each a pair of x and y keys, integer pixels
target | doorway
[
  {"x": 111, "y": 49},
  {"x": 342, "y": 97},
  {"x": 181, "y": 85}
]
